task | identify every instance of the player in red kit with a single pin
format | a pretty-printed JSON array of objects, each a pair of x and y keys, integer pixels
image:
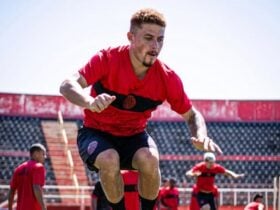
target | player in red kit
[
  {"x": 256, "y": 204},
  {"x": 127, "y": 84},
  {"x": 205, "y": 191},
  {"x": 163, "y": 188},
  {"x": 169, "y": 198},
  {"x": 28, "y": 180}
]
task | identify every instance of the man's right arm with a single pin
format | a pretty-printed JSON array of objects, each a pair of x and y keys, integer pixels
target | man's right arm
[
  {"x": 72, "y": 90},
  {"x": 192, "y": 173},
  {"x": 11, "y": 196}
]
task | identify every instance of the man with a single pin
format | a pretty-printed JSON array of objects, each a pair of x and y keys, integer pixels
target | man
[
  {"x": 205, "y": 191},
  {"x": 165, "y": 183},
  {"x": 169, "y": 198},
  {"x": 128, "y": 83},
  {"x": 164, "y": 186},
  {"x": 256, "y": 204},
  {"x": 28, "y": 180}
]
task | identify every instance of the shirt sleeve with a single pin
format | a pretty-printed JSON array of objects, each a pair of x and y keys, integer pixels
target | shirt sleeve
[
  {"x": 14, "y": 181},
  {"x": 176, "y": 96},
  {"x": 95, "y": 69},
  {"x": 197, "y": 167},
  {"x": 38, "y": 176},
  {"x": 220, "y": 169}
]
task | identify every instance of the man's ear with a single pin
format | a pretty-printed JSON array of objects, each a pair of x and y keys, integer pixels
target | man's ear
[{"x": 130, "y": 36}]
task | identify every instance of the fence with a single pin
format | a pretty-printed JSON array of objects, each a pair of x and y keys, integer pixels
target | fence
[{"x": 233, "y": 197}]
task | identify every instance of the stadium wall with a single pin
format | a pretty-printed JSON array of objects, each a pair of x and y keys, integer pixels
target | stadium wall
[{"x": 47, "y": 106}]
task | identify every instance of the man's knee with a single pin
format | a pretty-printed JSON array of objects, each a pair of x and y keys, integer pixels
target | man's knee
[
  {"x": 108, "y": 160},
  {"x": 146, "y": 160}
]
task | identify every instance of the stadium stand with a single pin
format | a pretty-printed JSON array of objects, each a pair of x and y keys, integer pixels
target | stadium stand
[
  {"x": 16, "y": 136},
  {"x": 17, "y": 133},
  {"x": 250, "y": 139}
]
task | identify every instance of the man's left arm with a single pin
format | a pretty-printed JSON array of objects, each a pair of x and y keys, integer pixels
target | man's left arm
[
  {"x": 11, "y": 197},
  {"x": 198, "y": 131},
  {"x": 233, "y": 174},
  {"x": 38, "y": 192},
  {"x": 38, "y": 179}
]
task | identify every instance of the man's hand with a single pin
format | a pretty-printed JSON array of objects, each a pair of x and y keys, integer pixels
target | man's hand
[
  {"x": 198, "y": 130},
  {"x": 196, "y": 173},
  {"x": 100, "y": 102},
  {"x": 192, "y": 173},
  {"x": 206, "y": 144},
  {"x": 237, "y": 176}
]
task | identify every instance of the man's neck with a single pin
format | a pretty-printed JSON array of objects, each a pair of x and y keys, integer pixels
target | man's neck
[{"x": 139, "y": 69}]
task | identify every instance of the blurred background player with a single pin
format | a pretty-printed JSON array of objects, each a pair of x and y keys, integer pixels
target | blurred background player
[
  {"x": 256, "y": 204},
  {"x": 163, "y": 187},
  {"x": 204, "y": 191},
  {"x": 169, "y": 196},
  {"x": 125, "y": 90},
  {"x": 28, "y": 180},
  {"x": 164, "y": 183}
]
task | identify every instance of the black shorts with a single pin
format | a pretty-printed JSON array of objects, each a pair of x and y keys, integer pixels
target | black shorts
[
  {"x": 206, "y": 198},
  {"x": 92, "y": 142}
]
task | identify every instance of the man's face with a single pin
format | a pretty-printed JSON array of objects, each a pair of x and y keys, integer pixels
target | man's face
[
  {"x": 259, "y": 200},
  {"x": 41, "y": 156},
  {"x": 209, "y": 164},
  {"x": 166, "y": 183},
  {"x": 146, "y": 43}
]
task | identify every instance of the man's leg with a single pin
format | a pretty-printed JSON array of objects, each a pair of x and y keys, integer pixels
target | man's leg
[
  {"x": 108, "y": 164},
  {"x": 212, "y": 202},
  {"x": 202, "y": 200},
  {"x": 146, "y": 161}
]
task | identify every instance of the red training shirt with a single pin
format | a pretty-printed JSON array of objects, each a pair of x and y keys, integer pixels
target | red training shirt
[
  {"x": 111, "y": 71},
  {"x": 25, "y": 176},
  {"x": 169, "y": 197},
  {"x": 205, "y": 182},
  {"x": 253, "y": 206}
]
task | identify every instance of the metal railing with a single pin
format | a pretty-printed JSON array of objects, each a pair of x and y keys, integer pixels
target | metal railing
[{"x": 81, "y": 194}]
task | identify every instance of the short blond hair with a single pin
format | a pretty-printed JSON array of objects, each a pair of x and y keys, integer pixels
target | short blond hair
[{"x": 147, "y": 15}]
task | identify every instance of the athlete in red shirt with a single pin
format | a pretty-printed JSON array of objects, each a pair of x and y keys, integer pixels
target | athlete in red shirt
[
  {"x": 163, "y": 188},
  {"x": 28, "y": 180},
  {"x": 256, "y": 204},
  {"x": 127, "y": 84},
  {"x": 169, "y": 197},
  {"x": 204, "y": 191}
]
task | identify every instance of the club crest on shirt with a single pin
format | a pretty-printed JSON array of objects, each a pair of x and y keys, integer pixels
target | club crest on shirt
[
  {"x": 129, "y": 102},
  {"x": 91, "y": 147}
]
